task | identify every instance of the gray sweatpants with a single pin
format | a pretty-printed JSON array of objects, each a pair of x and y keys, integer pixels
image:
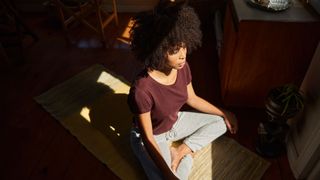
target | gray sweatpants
[{"x": 196, "y": 129}]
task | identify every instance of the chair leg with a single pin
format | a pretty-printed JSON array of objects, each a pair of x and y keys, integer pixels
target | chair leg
[
  {"x": 103, "y": 23},
  {"x": 63, "y": 24},
  {"x": 101, "y": 27},
  {"x": 115, "y": 12}
]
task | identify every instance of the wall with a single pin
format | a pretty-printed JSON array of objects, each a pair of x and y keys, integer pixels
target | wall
[{"x": 303, "y": 143}]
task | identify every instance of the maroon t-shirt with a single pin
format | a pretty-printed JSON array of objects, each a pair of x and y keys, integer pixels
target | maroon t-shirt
[{"x": 163, "y": 101}]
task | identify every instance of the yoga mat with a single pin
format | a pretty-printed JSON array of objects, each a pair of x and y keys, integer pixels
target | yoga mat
[{"x": 92, "y": 107}]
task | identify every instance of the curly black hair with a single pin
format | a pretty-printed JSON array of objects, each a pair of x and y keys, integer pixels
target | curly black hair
[{"x": 156, "y": 32}]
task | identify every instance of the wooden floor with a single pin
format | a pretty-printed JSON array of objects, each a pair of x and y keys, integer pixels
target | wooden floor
[{"x": 36, "y": 146}]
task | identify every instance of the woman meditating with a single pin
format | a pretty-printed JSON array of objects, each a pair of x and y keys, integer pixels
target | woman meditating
[{"x": 161, "y": 40}]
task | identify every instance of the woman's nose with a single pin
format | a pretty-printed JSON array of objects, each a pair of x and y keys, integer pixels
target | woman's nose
[
  {"x": 182, "y": 56},
  {"x": 182, "y": 53}
]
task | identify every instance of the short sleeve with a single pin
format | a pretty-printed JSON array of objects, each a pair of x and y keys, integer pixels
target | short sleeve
[
  {"x": 187, "y": 73},
  {"x": 139, "y": 101}
]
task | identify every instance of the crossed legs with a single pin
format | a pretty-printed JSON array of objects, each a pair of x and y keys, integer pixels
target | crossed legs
[{"x": 195, "y": 129}]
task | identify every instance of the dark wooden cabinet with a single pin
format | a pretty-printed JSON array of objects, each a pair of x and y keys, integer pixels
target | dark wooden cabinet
[{"x": 262, "y": 50}]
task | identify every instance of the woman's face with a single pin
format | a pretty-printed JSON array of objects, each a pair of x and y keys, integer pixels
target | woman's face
[{"x": 176, "y": 56}]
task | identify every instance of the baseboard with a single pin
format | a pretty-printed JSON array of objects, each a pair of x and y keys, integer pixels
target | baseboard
[
  {"x": 39, "y": 8},
  {"x": 129, "y": 8}
]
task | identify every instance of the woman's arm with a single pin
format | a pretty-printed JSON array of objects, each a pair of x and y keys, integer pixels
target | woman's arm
[
  {"x": 152, "y": 147},
  {"x": 204, "y": 106}
]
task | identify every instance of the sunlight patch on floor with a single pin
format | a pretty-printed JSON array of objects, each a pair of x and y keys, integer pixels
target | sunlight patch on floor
[
  {"x": 85, "y": 114},
  {"x": 118, "y": 86},
  {"x": 114, "y": 129}
]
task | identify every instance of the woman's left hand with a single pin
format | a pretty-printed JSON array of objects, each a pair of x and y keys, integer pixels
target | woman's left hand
[{"x": 231, "y": 122}]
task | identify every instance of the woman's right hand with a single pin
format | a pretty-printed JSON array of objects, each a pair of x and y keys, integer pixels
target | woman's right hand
[
  {"x": 231, "y": 122},
  {"x": 152, "y": 146}
]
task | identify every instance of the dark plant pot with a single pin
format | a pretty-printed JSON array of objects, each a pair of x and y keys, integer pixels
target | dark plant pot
[
  {"x": 271, "y": 143},
  {"x": 281, "y": 104},
  {"x": 270, "y": 150}
]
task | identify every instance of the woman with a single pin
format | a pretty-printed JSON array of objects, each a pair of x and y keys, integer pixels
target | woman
[{"x": 161, "y": 40}]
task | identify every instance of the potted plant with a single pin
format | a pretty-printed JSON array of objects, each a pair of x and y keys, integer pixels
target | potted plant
[{"x": 282, "y": 103}]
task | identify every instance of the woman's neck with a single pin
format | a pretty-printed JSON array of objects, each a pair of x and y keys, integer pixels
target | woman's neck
[{"x": 166, "y": 77}]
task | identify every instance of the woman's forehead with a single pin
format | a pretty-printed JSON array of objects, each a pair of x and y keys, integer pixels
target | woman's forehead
[{"x": 179, "y": 44}]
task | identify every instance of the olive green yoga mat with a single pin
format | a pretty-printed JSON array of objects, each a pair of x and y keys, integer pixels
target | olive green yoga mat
[{"x": 92, "y": 107}]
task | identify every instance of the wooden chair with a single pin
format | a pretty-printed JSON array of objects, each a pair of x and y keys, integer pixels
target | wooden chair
[{"x": 80, "y": 11}]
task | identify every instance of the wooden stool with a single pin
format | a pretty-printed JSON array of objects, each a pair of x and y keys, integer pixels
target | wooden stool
[{"x": 79, "y": 11}]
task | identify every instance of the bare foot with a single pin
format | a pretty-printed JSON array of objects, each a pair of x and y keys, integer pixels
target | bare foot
[
  {"x": 193, "y": 154},
  {"x": 175, "y": 160},
  {"x": 177, "y": 153}
]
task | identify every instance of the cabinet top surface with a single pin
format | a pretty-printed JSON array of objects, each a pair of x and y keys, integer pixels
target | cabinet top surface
[{"x": 296, "y": 13}]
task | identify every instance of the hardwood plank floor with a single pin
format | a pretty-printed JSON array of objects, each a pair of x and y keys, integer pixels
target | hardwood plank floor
[{"x": 36, "y": 146}]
